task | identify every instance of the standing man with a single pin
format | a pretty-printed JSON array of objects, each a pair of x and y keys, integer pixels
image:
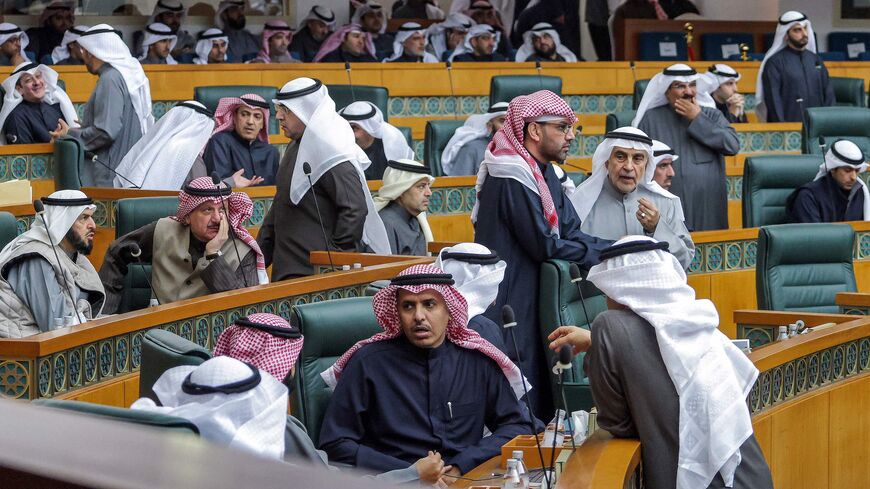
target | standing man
[
  {"x": 230, "y": 17},
  {"x": 674, "y": 112},
  {"x": 56, "y": 18},
  {"x": 522, "y": 214},
  {"x": 292, "y": 227},
  {"x": 837, "y": 193},
  {"x": 118, "y": 112},
  {"x": 312, "y": 31},
  {"x": 402, "y": 202},
  {"x": 792, "y": 70},
  {"x": 722, "y": 84},
  {"x": 380, "y": 140}
]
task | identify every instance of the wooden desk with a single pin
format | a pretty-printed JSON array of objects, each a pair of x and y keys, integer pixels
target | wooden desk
[
  {"x": 762, "y": 327},
  {"x": 854, "y": 303}
]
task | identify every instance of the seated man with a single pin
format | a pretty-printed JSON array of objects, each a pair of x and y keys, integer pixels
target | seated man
[
  {"x": 56, "y": 18},
  {"x": 33, "y": 104},
  {"x": 479, "y": 45},
  {"x": 371, "y": 16},
  {"x": 380, "y": 140},
  {"x": 442, "y": 38},
  {"x": 696, "y": 430},
  {"x": 663, "y": 158},
  {"x": 464, "y": 152},
  {"x": 350, "y": 44},
  {"x": 157, "y": 45},
  {"x": 483, "y": 12},
  {"x": 402, "y": 202},
  {"x": 191, "y": 253},
  {"x": 276, "y": 43},
  {"x": 240, "y": 141},
  {"x": 542, "y": 43},
  {"x": 69, "y": 52},
  {"x": 211, "y": 47},
  {"x": 313, "y": 30},
  {"x": 34, "y": 300},
  {"x": 722, "y": 84},
  {"x": 837, "y": 193},
  {"x": 242, "y": 43},
  {"x": 12, "y": 43},
  {"x": 417, "y": 9},
  {"x": 172, "y": 14},
  {"x": 410, "y": 45},
  {"x": 621, "y": 197},
  {"x": 450, "y": 385}
]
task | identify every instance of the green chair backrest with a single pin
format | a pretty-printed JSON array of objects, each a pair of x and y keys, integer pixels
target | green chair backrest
[
  {"x": 577, "y": 177},
  {"x": 639, "y": 89},
  {"x": 156, "y": 420},
  {"x": 210, "y": 96},
  {"x": 161, "y": 351},
  {"x": 560, "y": 303},
  {"x": 852, "y": 123},
  {"x": 409, "y": 136},
  {"x": 849, "y": 91},
  {"x": 503, "y": 88},
  {"x": 132, "y": 214},
  {"x": 344, "y": 95},
  {"x": 330, "y": 328},
  {"x": 616, "y": 120},
  {"x": 8, "y": 228},
  {"x": 438, "y": 133},
  {"x": 802, "y": 267},
  {"x": 767, "y": 183},
  {"x": 69, "y": 157}
]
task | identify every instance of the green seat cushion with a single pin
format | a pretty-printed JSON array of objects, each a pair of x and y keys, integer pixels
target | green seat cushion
[{"x": 768, "y": 181}]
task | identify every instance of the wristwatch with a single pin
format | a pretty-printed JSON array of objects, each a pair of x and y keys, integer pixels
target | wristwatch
[{"x": 213, "y": 255}]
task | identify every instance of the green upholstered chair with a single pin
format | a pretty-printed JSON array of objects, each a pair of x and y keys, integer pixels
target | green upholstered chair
[
  {"x": 161, "y": 351},
  {"x": 503, "y": 88},
  {"x": 852, "y": 123},
  {"x": 69, "y": 156},
  {"x": 406, "y": 131},
  {"x": 767, "y": 183},
  {"x": 560, "y": 304},
  {"x": 344, "y": 95},
  {"x": 156, "y": 420},
  {"x": 438, "y": 133},
  {"x": 132, "y": 214},
  {"x": 639, "y": 88},
  {"x": 802, "y": 267},
  {"x": 8, "y": 228},
  {"x": 849, "y": 91},
  {"x": 210, "y": 96},
  {"x": 330, "y": 328},
  {"x": 619, "y": 119}
]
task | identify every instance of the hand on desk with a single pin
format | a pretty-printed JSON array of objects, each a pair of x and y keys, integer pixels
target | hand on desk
[
  {"x": 579, "y": 338},
  {"x": 450, "y": 476},
  {"x": 431, "y": 468}
]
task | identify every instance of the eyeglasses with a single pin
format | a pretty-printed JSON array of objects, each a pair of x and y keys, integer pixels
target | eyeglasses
[{"x": 562, "y": 127}]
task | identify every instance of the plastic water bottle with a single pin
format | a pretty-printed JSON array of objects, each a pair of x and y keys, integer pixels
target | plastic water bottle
[
  {"x": 511, "y": 478},
  {"x": 521, "y": 467},
  {"x": 783, "y": 333},
  {"x": 792, "y": 330},
  {"x": 153, "y": 302}
]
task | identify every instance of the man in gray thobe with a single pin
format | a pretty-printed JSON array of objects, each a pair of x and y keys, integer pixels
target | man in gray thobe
[
  {"x": 402, "y": 202},
  {"x": 675, "y": 113},
  {"x": 118, "y": 112},
  {"x": 33, "y": 296},
  {"x": 621, "y": 197},
  {"x": 464, "y": 151},
  {"x": 650, "y": 380}
]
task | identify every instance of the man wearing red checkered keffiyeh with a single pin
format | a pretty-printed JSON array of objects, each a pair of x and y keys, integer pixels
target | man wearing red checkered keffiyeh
[
  {"x": 427, "y": 382},
  {"x": 522, "y": 214},
  {"x": 239, "y": 145},
  {"x": 191, "y": 253},
  {"x": 265, "y": 341}
]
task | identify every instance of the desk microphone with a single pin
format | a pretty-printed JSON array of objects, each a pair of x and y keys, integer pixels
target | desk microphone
[
  {"x": 509, "y": 322},
  {"x": 40, "y": 211},
  {"x": 576, "y": 278},
  {"x": 306, "y": 169},
  {"x": 349, "y": 81},
  {"x": 136, "y": 252},
  {"x": 449, "y": 65},
  {"x": 822, "y": 146},
  {"x": 93, "y": 157},
  {"x": 216, "y": 180},
  {"x": 633, "y": 73},
  {"x": 563, "y": 363},
  {"x": 540, "y": 78},
  {"x": 800, "y": 102}
]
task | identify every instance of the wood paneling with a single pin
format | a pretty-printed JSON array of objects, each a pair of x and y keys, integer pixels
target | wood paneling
[
  {"x": 764, "y": 436},
  {"x": 453, "y": 228},
  {"x": 731, "y": 291},
  {"x": 800, "y": 444},
  {"x": 850, "y": 435}
]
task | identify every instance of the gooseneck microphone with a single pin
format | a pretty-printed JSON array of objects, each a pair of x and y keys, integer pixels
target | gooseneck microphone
[
  {"x": 40, "y": 211},
  {"x": 822, "y": 146},
  {"x": 349, "y": 81},
  {"x": 306, "y": 169},
  {"x": 93, "y": 157},
  {"x": 509, "y": 322},
  {"x": 216, "y": 180},
  {"x": 633, "y": 73},
  {"x": 576, "y": 278},
  {"x": 136, "y": 253},
  {"x": 563, "y": 363},
  {"x": 540, "y": 78},
  {"x": 449, "y": 65}
]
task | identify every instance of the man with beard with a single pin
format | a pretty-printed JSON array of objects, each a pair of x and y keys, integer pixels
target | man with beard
[
  {"x": 157, "y": 45},
  {"x": 444, "y": 37},
  {"x": 663, "y": 159},
  {"x": 373, "y": 19},
  {"x": 276, "y": 43},
  {"x": 479, "y": 45},
  {"x": 240, "y": 142},
  {"x": 68, "y": 52},
  {"x": 380, "y": 140},
  {"x": 230, "y": 17},
  {"x": 410, "y": 45},
  {"x": 56, "y": 18},
  {"x": 837, "y": 193},
  {"x": 172, "y": 14},
  {"x": 350, "y": 44},
  {"x": 542, "y": 43},
  {"x": 33, "y": 105},
  {"x": 313, "y": 30},
  {"x": 46, "y": 280},
  {"x": 465, "y": 149}
]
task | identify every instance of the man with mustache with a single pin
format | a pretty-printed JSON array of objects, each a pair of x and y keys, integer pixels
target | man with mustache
[
  {"x": 676, "y": 113},
  {"x": 402, "y": 202},
  {"x": 312, "y": 31},
  {"x": 239, "y": 149},
  {"x": 33, "y": 296},
  {"x": 191, "y": 253},
  {"x": 33, "y": 105},
  {"x": 242, "y": 43},
  {"x": 621, "y": 196}
]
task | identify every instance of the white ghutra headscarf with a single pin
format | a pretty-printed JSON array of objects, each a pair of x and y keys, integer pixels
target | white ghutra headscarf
[
  {"x": 156, "y": 32},
  {"x": 477, "y": 271},
  {"x": 400, "y": 176},
  {"x": 53, "y": 94},
  {"x": 204, "y": 42},
  {"x": 654, "y": 95},
  {"x": 436, "y": 34},
  {"x": 371, "y": 120},
  {"x": 404, "y": 33},
  {"x": 475, "y": 127},
  {"x": 62, "y": 208},
  {"x": 846, "y": 153},
  {"x": 476, "y": 31},
  {"x": 780, "y": 42},
  {"x": 328, "y": 141},
  {"x": 10, "y": 31},
  {"x": 712, "y": 377},
  {"x": 61, "y": 52},
  {"x": 539, "y": 29}
]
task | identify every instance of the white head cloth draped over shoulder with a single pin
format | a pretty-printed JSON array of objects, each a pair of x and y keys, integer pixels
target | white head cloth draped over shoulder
[
  {"x": 105, "y": 43},
  {"x": 62, "y": 208},
  {"x": 53, "y": 94},
  {"x": 476, "y": 31},
  {"x": 156, "y": 32},
  {"x": 322, "y": 14},
  {"x": 231, "y": 402},
  {"x": 371, "y": 120},
  {"x": 567, "y": 184},
  {"x": 204, "y": 42},
  {"x": 475, "y": 127},
  {"x": 404, "y": 32},
  {"x": 10, "y": 31},
  {"x": 587, "y": 193},
  {"x": 654, "y": 95},
  {"x": 786, "y": 22},
  {"x": 163, "y": 157},
  {"x": 478, "y": 272},
  {"x": 712, "y": 377},
  {"x": 436, "y": 35},
  {"x": 718, "y": 74},
  {"x": 172, "y": 6},
  {"x": 400, "y": 176},
  {"x": 846, "y": 153},
  {"x": 539, "y": 29},
  {"x": 61, "y": 52},
  {"x": 328, "y": 141}
]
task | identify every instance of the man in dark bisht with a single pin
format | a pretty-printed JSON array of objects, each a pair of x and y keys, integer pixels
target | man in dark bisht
[
  {"x": 373, "y": 19},
  {"x": 240, "y": 142},
  {"x": 426, "y": 383},
  {"x": 33, "y": 105},
  {"x": 479, "y": 45},
  {"x": 410, "y": 45},
  {"x": 230, "y": 17},
  {"x": 56, "y": 18},
  {"x": 837, "y": 193},
  {"x": 792, "y": 70},
  {"x": 313, "y": 30},
  {"x": 522, "y": 214}
]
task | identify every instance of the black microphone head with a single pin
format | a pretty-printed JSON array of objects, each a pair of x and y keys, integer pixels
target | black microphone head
[
  {"x": 822, "y": 140},
  {"x": 306, "y": 168},
  {"x": 449, "y": 64},
  {"x": 537, "y": 65},
  {"x": 347, "y": 65},
  {"x": 574, "y": 270},
  {"x": 507, "y": 315},
  {"x": 215, "y": 178},
  {"x": 38, "y": 206},
  {"x": 631, "y": 64},
  {"x": 565, "y": 354}
]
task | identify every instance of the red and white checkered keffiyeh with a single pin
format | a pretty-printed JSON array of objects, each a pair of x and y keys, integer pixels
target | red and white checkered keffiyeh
[
  {"x": 387, "y": 314},
  {"x": 508, "y": 141},
  {"x": 336, "y": 38},
  {"x": 240, "y": 208},
  {"x": 261, "y": 349},
  {"x": 226, "y": 110},
  {"x": 270, "y": 28}
]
